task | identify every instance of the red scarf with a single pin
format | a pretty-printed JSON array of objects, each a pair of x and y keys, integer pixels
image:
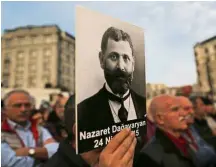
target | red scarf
[
  {"x": 6, "y": 127},
  {"x": 181, "y": 143}
]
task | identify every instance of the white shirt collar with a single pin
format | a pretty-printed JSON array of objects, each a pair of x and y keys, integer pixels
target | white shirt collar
[
  {"x": 14, "y": 125},
  {"x": 109, "y": 90}
]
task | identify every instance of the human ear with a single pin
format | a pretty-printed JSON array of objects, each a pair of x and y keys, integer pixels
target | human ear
[
  {"x": 159, "y": 118},
  {"x": 101, "y": 59}
]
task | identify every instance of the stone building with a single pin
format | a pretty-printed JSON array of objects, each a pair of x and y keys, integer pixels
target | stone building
[
  {"x": 38, "y": 57},
  {"x": 205, "y": 57}
]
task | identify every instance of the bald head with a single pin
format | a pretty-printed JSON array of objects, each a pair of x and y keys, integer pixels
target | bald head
[
  {"x": 168, "y": 114},
  {"x": 160, "y": 104}
]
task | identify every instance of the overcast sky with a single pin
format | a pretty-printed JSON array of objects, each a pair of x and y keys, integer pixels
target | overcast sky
[{"x": 171, "y": 29}]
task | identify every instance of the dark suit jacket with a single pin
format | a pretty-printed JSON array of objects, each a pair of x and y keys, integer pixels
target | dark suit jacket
[
  {"x": 95, "y": 111},
  {"x": 161, "y": 152}
]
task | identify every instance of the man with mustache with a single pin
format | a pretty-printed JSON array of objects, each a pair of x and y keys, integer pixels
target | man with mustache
[
  {"x": 201, "y": 123},
  {"x": 188, "y": 107},
  {"x": 175, "y": 142},
  {"x": 23, "y": 142},
  {"x": 115, "y": 101},
  {"x": 118, "y": 153}
]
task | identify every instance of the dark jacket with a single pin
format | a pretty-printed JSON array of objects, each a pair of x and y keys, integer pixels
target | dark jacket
[
  {"x": 161, "y": 152},
  {"x": 95, "y": 111},
  {"x": 65, "y": 157},
  {"x": 205, "y": 132}
]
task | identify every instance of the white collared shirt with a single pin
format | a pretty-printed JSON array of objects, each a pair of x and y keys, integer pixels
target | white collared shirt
[
  {"x": 115, "y": 106},
  {"x": 9, "y": 157}
]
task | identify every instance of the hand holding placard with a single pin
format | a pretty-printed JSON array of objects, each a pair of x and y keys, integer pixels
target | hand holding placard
[{"x": 120, "y": 150}]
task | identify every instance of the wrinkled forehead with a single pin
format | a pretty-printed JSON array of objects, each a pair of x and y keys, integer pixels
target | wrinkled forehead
[
  {"x": 171, "y": 102},
  {"x": 18, "y": 97}
]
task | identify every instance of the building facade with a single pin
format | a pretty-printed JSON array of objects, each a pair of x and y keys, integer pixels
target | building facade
[
  {"x": 205, "y": 57},
  {"x": 38, "y": 57},
  {"x": 153, "y": 90}
]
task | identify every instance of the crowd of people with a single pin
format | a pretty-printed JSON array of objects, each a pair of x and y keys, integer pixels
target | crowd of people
[{"x": 181, "y": 132}]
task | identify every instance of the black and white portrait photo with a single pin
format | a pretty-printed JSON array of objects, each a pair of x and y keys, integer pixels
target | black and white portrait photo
[{"x": 110, "y": 75}]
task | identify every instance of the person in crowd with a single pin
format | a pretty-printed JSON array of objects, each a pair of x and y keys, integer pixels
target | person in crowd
[
  {"x": 118, "y": 153},
  {"x": 45, "y": 109},
  {"x": 151, "y": 127},
  {"x": 175, "y": 144},
  {"x": 23, "y": 142},
  {"x": 2, "y": 111},
  {"x": 202, "y": 108},
  {"x": 188, "y": 107},
  {"x": 37, "y": 116},
  {"x": 55, "y": 122}
]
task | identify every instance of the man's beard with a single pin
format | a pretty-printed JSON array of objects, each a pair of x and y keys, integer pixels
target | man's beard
[{"x": 119, "y": 81}]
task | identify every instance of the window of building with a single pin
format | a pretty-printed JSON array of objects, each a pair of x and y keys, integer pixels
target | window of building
[
  {"x": 46, "y": 66},
  {"x": 18, "y": 85},
  {"x": 206, "y": 51},
  {"x": 65, "y": 44},
  {"x": 47, "y": 38},
  {"x": 46, "y": 78},
  {"x": 18, "y": 81},
  {"x": 32, "y": 67},
  {"x": 47, "y": 52},
  {"x": 63, "y": 81},
  {"x": 6, "y": 68},
  {"x": 72, "y": 47},
  {"x": 35, "y": 39},
  {"x": 31, "y": 81},
  {"x": 19, "y": 68},
  {"x": 6, "y": 82},
  {"x": 200, "y": 83},
  {"x": 33, "y": 54},
  {"x": 68, "y": 58},
  {"x": 20, "y": 55},
  {"x": 21, "y": 40},
  {"x": 6, "y": 61},
  {"x": 8, "y": 42},
  {"x": 46, "y": 60}
]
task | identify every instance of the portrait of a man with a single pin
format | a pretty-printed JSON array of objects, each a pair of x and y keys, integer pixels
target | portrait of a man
[{"x": 115, "y": 101}]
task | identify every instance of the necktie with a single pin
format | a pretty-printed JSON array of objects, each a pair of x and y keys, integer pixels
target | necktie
[{"x": 122, "y": 113}]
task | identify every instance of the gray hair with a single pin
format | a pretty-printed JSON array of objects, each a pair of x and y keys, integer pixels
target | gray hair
[{"x": 6, "y": 97}]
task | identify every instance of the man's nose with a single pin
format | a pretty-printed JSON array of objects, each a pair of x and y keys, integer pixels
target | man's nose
[
  {"x": 121, "y": 64},
  {"x": 23, "y": 108}
]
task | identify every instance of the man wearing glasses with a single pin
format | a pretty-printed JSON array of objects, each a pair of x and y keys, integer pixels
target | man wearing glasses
[{"x": 23, "y": 142}]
